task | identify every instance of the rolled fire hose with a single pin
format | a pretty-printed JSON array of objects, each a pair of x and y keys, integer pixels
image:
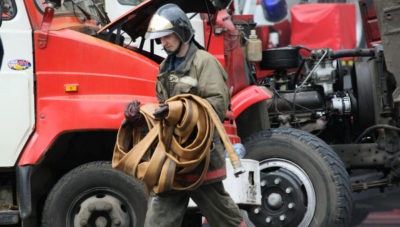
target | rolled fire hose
[{"x": 173, "y": 146}]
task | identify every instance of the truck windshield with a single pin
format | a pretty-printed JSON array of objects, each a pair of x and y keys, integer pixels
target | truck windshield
[{"x": 83, "y": 9}]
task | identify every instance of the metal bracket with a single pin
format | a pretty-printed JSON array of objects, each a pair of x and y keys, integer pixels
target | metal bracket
[{"x": 44, "y": 30}]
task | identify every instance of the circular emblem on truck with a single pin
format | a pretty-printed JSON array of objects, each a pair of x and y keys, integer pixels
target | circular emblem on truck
[{"x": 19, "y": 64}]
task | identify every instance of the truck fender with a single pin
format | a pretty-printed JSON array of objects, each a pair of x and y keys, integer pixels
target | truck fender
[
  {"x": 247, "y": 97},
  {"x": 57, "y": 115}
]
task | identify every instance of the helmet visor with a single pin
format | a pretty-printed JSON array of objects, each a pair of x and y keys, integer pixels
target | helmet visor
[
  {"x": 159, "y": 26},
  {"x": 157, "y": 34}
]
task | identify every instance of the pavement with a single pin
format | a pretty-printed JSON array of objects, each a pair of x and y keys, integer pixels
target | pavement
[
  {"x": 373, "y": 208},
  {"x": 376, "y": 209}
]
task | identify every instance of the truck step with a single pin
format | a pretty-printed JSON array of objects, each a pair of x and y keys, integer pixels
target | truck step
[{"x": 9, "y": 217}]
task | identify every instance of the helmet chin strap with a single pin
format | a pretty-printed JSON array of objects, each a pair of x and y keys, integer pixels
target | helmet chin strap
[{"x": 175, "y": 52}]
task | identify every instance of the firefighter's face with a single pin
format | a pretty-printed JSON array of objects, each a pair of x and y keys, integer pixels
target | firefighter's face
[{"x": 170, "y": 42}]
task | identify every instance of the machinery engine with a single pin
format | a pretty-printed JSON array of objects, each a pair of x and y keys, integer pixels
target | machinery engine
[{"x": 335, "y": 94}]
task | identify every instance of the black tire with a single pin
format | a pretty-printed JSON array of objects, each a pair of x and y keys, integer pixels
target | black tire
[
  {"x": 303, "y": 181},
  {"x": 95, "y": 192}
]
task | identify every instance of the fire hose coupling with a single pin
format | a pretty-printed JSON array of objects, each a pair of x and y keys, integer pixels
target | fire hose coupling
[
  {"x": 238, "y": 168},
  {"x": 235, "y": 155}
]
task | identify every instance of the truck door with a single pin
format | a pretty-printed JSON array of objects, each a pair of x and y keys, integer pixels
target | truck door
[{"x": 17, "y": 116}]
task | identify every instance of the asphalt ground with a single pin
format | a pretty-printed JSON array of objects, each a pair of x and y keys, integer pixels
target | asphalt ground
[
  {"x": 376, "y": 209},
  {"x": 372, "y": 208}
]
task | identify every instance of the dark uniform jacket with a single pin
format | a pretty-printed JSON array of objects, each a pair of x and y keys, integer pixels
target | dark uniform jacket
[{"x": 199, "y": 74}]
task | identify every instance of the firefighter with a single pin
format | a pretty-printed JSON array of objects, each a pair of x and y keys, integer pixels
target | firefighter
[{"x": 188, "y": 69}]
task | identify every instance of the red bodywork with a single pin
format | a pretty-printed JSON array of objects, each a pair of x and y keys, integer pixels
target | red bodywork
[
  {"x": 106, "y": 77},
  {"x": 227, "y": 48},
  {"x": 324, "y": 25},
  {"x": 84, "y": 83},
  {"x": 370, "y": 23}
]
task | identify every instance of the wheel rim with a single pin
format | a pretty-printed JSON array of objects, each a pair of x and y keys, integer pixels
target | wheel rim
[
  {"x": 288, "y": 195},
  {"x": 100, "y": 207}
]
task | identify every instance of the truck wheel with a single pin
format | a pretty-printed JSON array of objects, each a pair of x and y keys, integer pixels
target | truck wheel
[
  {"x": 95, "y": 194},
  {"x": 303, "y": 181}
]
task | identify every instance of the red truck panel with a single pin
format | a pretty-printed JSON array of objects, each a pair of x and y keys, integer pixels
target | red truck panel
[
  {"x": 105, "y": 78},
  {"x": 324, "y": 25}
]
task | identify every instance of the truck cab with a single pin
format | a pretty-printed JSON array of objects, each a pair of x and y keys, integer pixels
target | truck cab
[{"x": 63, "y": 90}]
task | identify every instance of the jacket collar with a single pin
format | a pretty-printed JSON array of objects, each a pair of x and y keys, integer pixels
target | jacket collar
[{"x": 185, "y": 65}]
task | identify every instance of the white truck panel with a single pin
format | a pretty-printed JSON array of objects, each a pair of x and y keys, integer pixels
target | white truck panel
[
  {"x": 16, "y": 87},
  {"x": 244, "y": 189}
]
